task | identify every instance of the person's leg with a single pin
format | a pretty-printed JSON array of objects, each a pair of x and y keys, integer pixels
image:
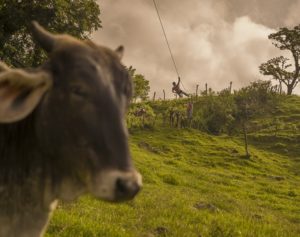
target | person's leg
[{"x": 186, "y": 94}]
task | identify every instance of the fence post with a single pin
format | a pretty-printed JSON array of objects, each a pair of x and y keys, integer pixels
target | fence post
[
  {"x": 230, "y": 87},
  {"x": 197, "y": 87},
  {"x": 164, "y": 94},
  {"x": 154, "y": 94},
  {"x": 280, "y": 87}
]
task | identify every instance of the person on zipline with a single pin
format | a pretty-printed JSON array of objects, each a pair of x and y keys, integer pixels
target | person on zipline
[{"x": 176, "y": 89}]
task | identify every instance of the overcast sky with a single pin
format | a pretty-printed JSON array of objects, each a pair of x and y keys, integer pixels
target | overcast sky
[{"x": 213, "y": 41}]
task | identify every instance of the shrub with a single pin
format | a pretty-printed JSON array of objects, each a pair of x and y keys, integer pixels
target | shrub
[
  {"x": 136, "y": 118},
  {"x": 215, "y": 114}
]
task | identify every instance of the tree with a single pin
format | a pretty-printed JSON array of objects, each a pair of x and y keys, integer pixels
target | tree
[
  {"x": 141, "y": 87},
  {"x": 78, "y": 18},
  {"x": 252, "y": 101},
  {"x": 285, "y": 39},
  {"x": 277, "y": 68}
]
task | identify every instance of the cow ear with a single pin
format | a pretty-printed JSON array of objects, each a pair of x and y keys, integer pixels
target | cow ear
[
  {"x": 20, "y": 93},
  {"x": 120, "y": 51}
]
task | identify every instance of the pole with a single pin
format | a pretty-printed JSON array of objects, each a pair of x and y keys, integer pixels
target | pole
[
  {"x": 154, "y": 94},
  {"x": 230, "y": 87}
]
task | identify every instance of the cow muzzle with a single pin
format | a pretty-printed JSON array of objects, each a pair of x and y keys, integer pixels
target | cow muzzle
[{"x": 117, "y": 186}]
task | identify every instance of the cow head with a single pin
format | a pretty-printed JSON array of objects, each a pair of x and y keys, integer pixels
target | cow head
[{"x": 78, "y": 99}]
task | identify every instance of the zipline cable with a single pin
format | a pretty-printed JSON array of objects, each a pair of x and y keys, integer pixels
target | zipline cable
[{"x": 167, "y": 41}]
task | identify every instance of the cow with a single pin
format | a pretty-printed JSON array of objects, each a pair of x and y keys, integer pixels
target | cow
[{"x": 62, "y": 132}]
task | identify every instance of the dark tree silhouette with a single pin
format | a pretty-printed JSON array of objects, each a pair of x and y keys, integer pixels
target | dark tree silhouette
[
  {"x": 78, "y": 18},
  {"x": 285, "y": 39}
]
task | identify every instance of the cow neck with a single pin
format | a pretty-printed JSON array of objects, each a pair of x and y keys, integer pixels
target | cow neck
[{"x": 19, "y": 155}]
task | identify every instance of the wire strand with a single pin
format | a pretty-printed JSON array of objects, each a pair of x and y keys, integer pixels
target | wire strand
[{"x": 165, "y": 35}]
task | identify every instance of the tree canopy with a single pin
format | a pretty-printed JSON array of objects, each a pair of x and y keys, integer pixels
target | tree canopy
[
  {"x": 141, "y": 86},
  {"x": 75, "y": 17},
  {"x": 285, "y": 39},
  {"x": 278, "y": 69}
]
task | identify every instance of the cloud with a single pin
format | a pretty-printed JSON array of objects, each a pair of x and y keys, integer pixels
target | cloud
[
  {"x": 213, "y": 41},
  {"x": 292, "y": 18}
]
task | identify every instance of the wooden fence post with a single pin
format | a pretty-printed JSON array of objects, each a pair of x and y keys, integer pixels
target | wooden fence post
[
  {"x": 154, "y": 94},
  {"x": 230, "y": 87},
  {"x": 280, "y": 87}
]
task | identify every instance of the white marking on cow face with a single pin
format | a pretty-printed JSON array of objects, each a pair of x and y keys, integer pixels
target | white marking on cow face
[{"x": 116, "y": 185}]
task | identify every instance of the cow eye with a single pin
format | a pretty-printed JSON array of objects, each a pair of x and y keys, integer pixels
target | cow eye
[{"x": 78, "y": 91}]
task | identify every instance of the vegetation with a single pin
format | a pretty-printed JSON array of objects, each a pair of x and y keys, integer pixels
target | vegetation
[
  {"x": 200, "y": 184},
  {"x": 140, "y": 117},
  {"x": 140, "y": 84},
  {"x": 78, "y": 18},
  {"x": 251, "y": 101},
  {"x": 284, "y": 39}
]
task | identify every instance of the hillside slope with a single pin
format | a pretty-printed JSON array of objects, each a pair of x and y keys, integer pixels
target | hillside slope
[{"x": 196, "y": 184}]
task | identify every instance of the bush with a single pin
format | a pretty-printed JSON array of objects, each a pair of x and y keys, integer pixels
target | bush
[
  {"x": 140, "y": 116},
  {"x": 214, "y": 114}
]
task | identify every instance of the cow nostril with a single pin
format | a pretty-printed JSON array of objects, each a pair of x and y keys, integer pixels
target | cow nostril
[
  {"x": 126, "y": 189},
  {"x": 121, "y": 186}
]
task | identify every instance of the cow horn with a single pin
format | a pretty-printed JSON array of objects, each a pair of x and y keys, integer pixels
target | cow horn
[{"x": 44, "y": 38}]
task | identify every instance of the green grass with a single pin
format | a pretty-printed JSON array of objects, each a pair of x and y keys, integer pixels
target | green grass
[{"x": 201, "y": 185}]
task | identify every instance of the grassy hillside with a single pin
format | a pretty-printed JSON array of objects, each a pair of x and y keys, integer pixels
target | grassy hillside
[
  {"x": 280, "y": 131},
  {"x": 197, "y": 185}
]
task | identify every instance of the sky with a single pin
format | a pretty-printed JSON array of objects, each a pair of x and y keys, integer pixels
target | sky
[{"x": 213, "y": 41}]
